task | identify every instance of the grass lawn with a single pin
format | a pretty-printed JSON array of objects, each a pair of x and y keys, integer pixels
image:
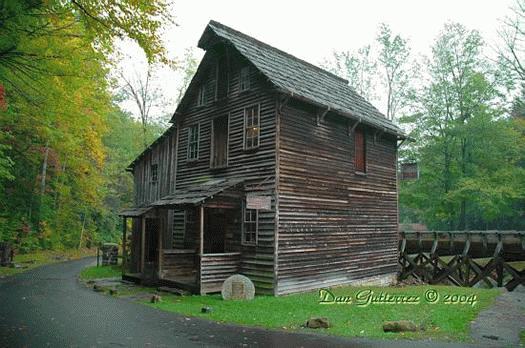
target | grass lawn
[
  {"x": 95, "y": 272},
  {"x": 43, "y": 257},
  {"x": 445, "y": 321},
  {"x": 522, "y": 337}
]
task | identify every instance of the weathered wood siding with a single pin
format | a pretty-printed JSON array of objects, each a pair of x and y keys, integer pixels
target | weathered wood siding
[
  {"x": 178, "y": 263},
  {"x": 161, "y": 153},
  {"x": 256, "y": 167},
  {"x": 146, "y": 191},
  {"x": 216, "y": 268},
  {"x": 335, "y": 226}
]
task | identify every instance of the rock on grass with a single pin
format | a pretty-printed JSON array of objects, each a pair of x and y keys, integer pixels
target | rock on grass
[
  {"x": 400, "y": 326},
  {"x": 156, "y": 299},
  {"x": 318, "y": 323}
]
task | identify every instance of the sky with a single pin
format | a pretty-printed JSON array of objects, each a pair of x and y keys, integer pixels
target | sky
[{"x": 312, "y": 30}]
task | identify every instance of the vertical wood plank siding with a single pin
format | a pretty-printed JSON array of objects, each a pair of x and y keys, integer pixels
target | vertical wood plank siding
[
  {"x": 334, "y": 226},
  {"x": 146, "y": 190}
]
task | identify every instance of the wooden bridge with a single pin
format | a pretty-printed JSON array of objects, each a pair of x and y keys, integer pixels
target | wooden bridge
[{"x": 463, "y": 258}]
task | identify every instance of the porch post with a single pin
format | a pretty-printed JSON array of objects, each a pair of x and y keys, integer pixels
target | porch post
[
  {"x": 201, "y": 239},
  {"x": 162, "y": 226},
  {"x": 124, "y": 242},
  {"x": 201, "y": 246},
  {"x": 142, "y": 243}
]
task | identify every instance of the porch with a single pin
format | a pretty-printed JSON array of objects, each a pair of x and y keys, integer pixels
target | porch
[
  {"x": 210, "y": 249},
  {"x": 185, "y": 269}
]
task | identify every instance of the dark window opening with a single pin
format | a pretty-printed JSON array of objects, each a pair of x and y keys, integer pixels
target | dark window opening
[
  {"x": 193, "y": 142},
  {"x": 250, "y": 226},
  {"x": 201, "y": 97},
  {"x": 154, "y": 173},
  {"x": 219, "y": 145},
  {"x": 222, "y": 78},
  {"x": 244, "y": 79},
  {"x": 251, "y": 127},
  {"x": 360, "y": 150}
]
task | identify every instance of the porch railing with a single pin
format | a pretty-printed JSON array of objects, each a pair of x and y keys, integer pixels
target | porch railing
[
  {"x": 179, "y": 265},
  {"x": 215, "y": 268}
]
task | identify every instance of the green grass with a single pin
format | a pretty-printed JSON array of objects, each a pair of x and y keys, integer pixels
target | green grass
[
  {"x": 442, "y": 321},
  {"x": 43, "y": 257},
  {"x": 99, "y": 272},
  {"x": 522, "y": 337}
]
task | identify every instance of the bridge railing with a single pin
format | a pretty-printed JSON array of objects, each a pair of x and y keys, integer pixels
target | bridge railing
[{"x": 463, "y": 258}]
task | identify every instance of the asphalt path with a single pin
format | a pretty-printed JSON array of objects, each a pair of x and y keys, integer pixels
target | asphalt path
[{"x": 49, "y": 307}]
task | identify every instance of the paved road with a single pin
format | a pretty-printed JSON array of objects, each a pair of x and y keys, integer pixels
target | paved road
[{"x": 48, "y": 307}]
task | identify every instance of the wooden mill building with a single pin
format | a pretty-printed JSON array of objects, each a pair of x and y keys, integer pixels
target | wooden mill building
[{"x": 273, "y": 168}]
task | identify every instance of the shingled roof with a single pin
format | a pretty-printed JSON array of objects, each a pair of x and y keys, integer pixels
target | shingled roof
[
  {"x": 301, "y": 79},
  {"x": 197, "y": 194}
]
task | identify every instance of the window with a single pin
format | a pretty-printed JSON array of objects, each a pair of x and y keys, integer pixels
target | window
[
  {"x": 219, "y": 142},
  {"x": 251, "y": 127},
  {"x": 244, "y": 79},
  {"x": 154, "y": 173},
  {"x": 193, "y": 142},
  {"x": 201, "y": 97},
  {"x": 360, "y": 150},
  {"x": 250, "y": 226},
  {"x": 222, "y": 78}
]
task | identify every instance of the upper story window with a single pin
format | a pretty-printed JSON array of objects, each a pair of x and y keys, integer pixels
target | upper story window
[
  {"x": 193, "y": 142},
  {"x": 154, "y": 173},
  {"x": 250, "y": 226},
  {"x": 244, "y": 79},
  {"x": 222, "y": 78},
  {"x": 201, "y": 96},
  {"x": 360, "y": 150},
  {"x": 252, "y": 127},
  {"x": 219, "y": 142}
]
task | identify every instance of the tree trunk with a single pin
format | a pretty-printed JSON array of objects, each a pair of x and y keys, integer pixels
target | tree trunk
[
  {"x": 463, "y": 204},
  {"x": 82, "y": 231},
  {"x": 43, "y": 174},
  {"x": 44, "y": 170}
]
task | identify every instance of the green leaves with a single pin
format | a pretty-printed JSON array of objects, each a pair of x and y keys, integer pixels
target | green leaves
[
  {"x": 468, "y": 149},
  {"x": 57, "y": 161}
]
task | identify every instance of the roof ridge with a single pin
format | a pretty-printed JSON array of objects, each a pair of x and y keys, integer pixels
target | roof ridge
[{"x": 218, "y": 24}]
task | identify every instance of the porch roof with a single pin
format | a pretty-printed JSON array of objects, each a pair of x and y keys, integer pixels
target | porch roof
[
  {"x": 197, "y": 194},
  {"x": 134, "y": 212}
]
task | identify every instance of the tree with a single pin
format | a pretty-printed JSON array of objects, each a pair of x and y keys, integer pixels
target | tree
[
  {"x": 359, "y": 68},
  {"x": 187, "y": 68},
  {"x": 54, "y": 115},
  {"x": 145, "y": 94},
  {"x": 394, "y": 62},
  {"x": 511, "y": 52},
  {"x": 467, "y": 149}
]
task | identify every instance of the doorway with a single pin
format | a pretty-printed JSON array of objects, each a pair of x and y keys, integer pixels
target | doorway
[
  {"x": 215, "y": 222},
  {"x": 151, "y": 245}
]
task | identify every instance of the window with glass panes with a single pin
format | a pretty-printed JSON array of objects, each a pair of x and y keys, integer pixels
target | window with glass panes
[
  {"x": 251, "y": 127},
  {"x": 250, "y": 226},
  {"x": 193, "y": 142}
]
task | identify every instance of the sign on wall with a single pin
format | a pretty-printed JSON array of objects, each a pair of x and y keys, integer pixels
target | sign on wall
[{"x": 258, "y": 202}]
